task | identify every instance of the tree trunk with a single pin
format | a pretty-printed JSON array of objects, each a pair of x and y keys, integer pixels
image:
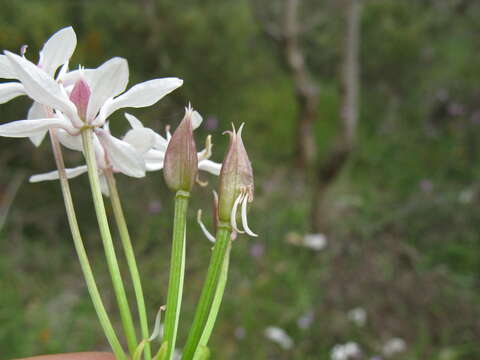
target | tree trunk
[{"x": 328, "y": 170}]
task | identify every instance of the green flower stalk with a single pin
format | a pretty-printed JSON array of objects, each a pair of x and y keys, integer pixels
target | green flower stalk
[
  {"x": 180, "y": 171},
  {"x": 236, "y": 190},
  {"x": 130, "y": 256},
  {"x": 82, "y": 255},
  {"x": 111, "y": 257}
]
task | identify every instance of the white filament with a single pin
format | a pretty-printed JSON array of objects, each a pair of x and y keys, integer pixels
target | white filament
[
  {"x": 205, "y": 231},
  {"x": 244, "y": 217},
  {"x": 233, "y": 214}
]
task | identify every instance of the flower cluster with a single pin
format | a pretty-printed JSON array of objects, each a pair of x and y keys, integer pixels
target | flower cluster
[
  {"x": 70, "y": 101},
  {"x": 74, "y": 107}
]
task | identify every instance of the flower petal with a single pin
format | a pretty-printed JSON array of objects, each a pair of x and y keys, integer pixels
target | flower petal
[
  {"x": 134, "y": 122},
  {"x": 154, "y": 160},
  {"x": 141, "y": 95},
  {"x": 42, "y": 88},
  {"x": 37, "y": 111},
  {"x": 210, "y": 166},
  {"x": 108, "y": 80},
  {"x": 196, "y": 119},
  {"x": 27, "y": 128},
  {"x": 72, "y": 142},
  {"x": 6, "y": 70},
  {"x": 123, "y": 156},
  {"x": 53, "y": 175},
  {"x": 103, "y": 184},
  {"x": 58, "y": 50},
  {"x": 10, "y": 90},
  {"x": 141, "y": 139}
]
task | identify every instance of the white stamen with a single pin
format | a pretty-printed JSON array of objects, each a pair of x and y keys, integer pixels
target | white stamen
[
  {"x": 207, "y": 152},
  {"x": 157, "y": 327},
  {"x": 233, "y": 214},
  {"x": 207, "y": 233},
  {"x": 244, "y": 216}
]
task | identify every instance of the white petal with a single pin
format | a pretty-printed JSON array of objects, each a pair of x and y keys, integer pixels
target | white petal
[
  {"x": 141, "y": 139},
  {"x": 154, "y": 160},
  {"x": 103, "y": 184},
  {"x": 142, "y": 95},
  {"x": 27, "y": 128},
  {"x": 53, "y": 175},
  {"x": 99, "y": 153},
  {"x": 134, "y": 122},
  {"x": 72, "y": 142},
  {"x": 58, "y": 50},
  {"x": 43, "y": 88},
  {"x": 108, "y": 80},
  {"x": 210, "y": 166},
  {"x": 122, "y": 155},
  {"x": 160, "y": 143},
  {"x": 10, "y": 90},
  {"x": 6, "y": 70},
  {"x": 196, "y": 119},
  {"x": 37, "y": 111}
]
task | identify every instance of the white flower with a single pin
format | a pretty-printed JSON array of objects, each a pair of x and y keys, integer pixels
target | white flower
[
  {"x": 394, "y": 346},
  {"x": 279, "y": 336},
  {"x": 358, "y": 316},
  {"x": 315, "y": 242},
  {"x": 347, "y": 351},
  {"x": 84, "y": 97},
  {"x": 155, "y": 154},
  {"x": 56, "y": 52},
  {"x": 140, "y": 150}
]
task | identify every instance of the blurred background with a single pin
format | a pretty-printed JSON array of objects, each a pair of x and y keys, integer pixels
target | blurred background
[{"x": 362, "y": 124}]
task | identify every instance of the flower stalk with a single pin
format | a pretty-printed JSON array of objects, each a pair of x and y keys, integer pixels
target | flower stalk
[
  {"x": 177, "y": 271},
  {"x": 209, "y": 291},
  {"x": 112, "y": 262},
  {"x": 82, "y": 255},
  {"x": 130, "y": 256}
]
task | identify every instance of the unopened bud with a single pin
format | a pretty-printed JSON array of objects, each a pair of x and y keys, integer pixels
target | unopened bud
[
  {"x": 80, "y": 96},
  {"x": 181, "y": 163},
  {"x": 236, "y": 178}
]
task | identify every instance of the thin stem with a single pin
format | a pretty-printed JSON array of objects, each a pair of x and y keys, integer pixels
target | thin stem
[
  {"x": 112, "y": 262},
  {"x": 177, "y": 270},
  {"x": 209, "y": 292},
  {"x": 130, "y": 256},
  {"x": 217, "y": 301},
  {"x": 82, "y": 255}
]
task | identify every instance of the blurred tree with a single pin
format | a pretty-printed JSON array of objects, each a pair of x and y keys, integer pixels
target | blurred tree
[{"x": 284, "y": 24}]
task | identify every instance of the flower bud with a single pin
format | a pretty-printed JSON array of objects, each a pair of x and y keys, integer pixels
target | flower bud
[
  {"x": 181, "y": 163},
  {"x": 80, "y": 96},
  {"x": 236, "y": 178}
]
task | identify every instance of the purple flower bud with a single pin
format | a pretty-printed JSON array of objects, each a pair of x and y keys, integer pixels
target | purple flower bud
[
  {"x": 181, "y": 161},
  {"x": 80, "y": 96}
]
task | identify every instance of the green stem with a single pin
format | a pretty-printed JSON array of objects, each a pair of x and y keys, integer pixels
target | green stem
[
  {"x": 217, "y": 301},
  {"x": 209, "y": 290},
  {"x": 130, "y": 256},
  {"x": 112, "y": 262},
  {"x": 82, "y": 255},
  {"x": 177, "y": 270}
]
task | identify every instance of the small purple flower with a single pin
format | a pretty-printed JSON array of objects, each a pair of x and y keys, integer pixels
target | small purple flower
[
  {"x": 211, "y": 123},
  {"x": 426, "y": 185},
  {"x": 154, "y": 207},
  {"x": 257, "y": 250}
]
